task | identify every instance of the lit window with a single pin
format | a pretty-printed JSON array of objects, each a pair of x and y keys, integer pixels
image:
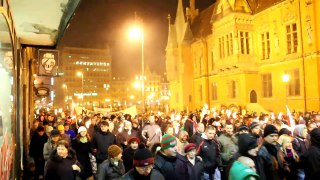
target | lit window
[{"x": 292, "y": 38}]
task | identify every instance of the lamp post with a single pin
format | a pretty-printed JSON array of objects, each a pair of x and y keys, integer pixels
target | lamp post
[
  {"x": 137, "y": 33},
  {"x": 285, "y": 79},
  {"x": 67, "y": 99},
  {"x": 80, "y": 73}
]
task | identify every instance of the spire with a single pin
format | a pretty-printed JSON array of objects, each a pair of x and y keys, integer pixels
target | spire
[{"x": 171, "y": 34}]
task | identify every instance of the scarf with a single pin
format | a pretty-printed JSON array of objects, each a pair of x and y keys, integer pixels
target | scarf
[{"x": 83, "y": 139}]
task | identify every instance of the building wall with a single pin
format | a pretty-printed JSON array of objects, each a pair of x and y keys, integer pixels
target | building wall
[{"x": 249, "y": 72}]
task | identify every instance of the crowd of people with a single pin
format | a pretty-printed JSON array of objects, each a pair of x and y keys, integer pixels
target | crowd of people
[{"x": 179, "y": 146}]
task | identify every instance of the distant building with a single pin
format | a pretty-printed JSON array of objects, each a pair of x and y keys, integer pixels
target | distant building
[
  {"x": 234, "y": 54},
  {"x": 95, "y": 64}
]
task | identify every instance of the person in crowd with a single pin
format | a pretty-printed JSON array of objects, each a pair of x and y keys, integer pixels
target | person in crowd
[
  {"x": 62, "y": 163},
  {"x": 151, "y": 132},
  {"x": 169, "y": 130},
  {"x": 289, "y": 158},
  {"x": 190, "y": 124},
  {"x": 195, "y": 164},
  {"x": 169, "y": 162},
  {"x": 125, "y": 134},
  {"x": 155, "y": 148},
  {"x": 228, "y": 147},
  {"x": 48, "y": 130},
  {"x": 101, "y": 141},
  {"x": 69, "y": 131},
  {"x": 182, "y": 141},
  {"x": 300, "y": 144},
  {"x": 63, "y": 133},
  {"x": 255, "y": 131},
  {"x": 51, "y": 144},
  {"x": 267, "y": 159},
  {"x": 82, "y": 145},
  {"x": 243, "y": 169},
  {"x": 143, "y": 162},
  {"x": 34, "y": 127},
  {"x": 284, "y": 130},
  {"x": 196, "y": 138},
  {"x": 93, "y": 127},
  {"x": 127, "y": 155},
  {"x": 209, "y": 151},
  {"x": 112, "y": 168},
  {"x": 310, "y": 160},
  {"x": 242, "y": 129},
  {"x": 37, "y": 142}
]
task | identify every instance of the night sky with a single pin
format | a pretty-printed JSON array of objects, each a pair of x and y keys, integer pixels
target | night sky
[{"x": 101, "y": 22}]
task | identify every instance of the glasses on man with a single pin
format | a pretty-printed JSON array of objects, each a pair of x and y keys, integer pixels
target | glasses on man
[{"x": 145, "y": 168}]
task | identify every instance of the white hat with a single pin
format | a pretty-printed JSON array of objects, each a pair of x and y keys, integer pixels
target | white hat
[{"x": 81, "y": 129}]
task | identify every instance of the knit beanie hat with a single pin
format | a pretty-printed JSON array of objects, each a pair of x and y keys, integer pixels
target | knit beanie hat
[
  {"x": 114, "y": 151},
  {"x": 284, "y": 131},
  {"x": 246, "y": 142},
  {"x": 240, "y": 171},
  {"x": 143, "y": 156},
  {"x": 81, "y": 129},
  {"x": 270, "y": 129},
  {"x": 168, "y": 141},
  {"x": 60, "y": 127},
  {"x": 243, "y": 128},
  {"x": 133, "y": 139},
  {"x": 253, "y": 125},
  {"x": 189, "y": 147}
]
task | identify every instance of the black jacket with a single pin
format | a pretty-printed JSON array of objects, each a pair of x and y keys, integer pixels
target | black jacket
[
  {"x": 196, "y": 139},
  {"x": 310, "y": 161},
  {"x": 172, "y": 168},
  {"x": 101, "y": 142},
  {"x": 127, "y": 157},
  {"x": 189, "y": 127},
  {"x": 82, "y": 152},
  {"x": 58, "y": 168},
  {"x": 134, "y": 175},
  {"x": 208, "y": 150},
  {"x": 196, "y": 171}
]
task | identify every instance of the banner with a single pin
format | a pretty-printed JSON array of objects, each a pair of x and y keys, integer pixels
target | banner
[{"x": 48, "y": 61}]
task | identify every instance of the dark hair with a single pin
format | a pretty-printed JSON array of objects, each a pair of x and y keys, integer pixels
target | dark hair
[
  {"x": 64, "y": 143},
  {"x": 104, "y": 123}
]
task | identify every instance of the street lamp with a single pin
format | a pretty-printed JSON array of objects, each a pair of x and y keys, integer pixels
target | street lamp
[
  {"x": 137, "y": 33},
  {"x": 285, "y": 79},
  {"x": 80, "y": 73}
]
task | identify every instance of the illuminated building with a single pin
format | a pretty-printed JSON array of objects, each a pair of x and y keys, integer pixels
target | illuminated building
[{"x": 234, "y": 53}]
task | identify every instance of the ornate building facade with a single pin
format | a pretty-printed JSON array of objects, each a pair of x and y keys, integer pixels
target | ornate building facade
[{"x": 235, "y": 53}]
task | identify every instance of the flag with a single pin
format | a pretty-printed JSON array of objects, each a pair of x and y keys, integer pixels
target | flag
[{"x": 291, "y": 122}]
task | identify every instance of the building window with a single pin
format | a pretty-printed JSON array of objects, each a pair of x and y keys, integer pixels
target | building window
[
  {"x": 244, "y": 42},
  {"x": 229, "y": 41},
  {"x": 221, "y": 47},
  {"x": 200, "y": 92},
  {"x": 294, "y": 83},
  {"x": 214, "y": 95},
  {"x": 292, "y": 38},
  {"x": 212, "y": 61},
  {"x": 233, "y": 89},
  {"x": 265, "y": 44},
  {"x": 266, "y": 85}
]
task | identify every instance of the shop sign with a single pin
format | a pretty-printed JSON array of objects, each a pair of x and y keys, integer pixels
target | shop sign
[
  {"x": 48, "y": 61},
  {"x": 42, "y": 91}
]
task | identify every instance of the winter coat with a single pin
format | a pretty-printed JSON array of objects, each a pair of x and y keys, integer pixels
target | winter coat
[
  {"x": 196, "y": 171},
  {"x": 48, "y": 147},
  {"x": 228, "y": 147},
  {"x": 172, "y": 168},
  {"x": 196, "y": 139},
  {"x": 127, "y": 157},
  {"x": 134, "y": 175},
  {"x": 108, "y": 170},
  {"x": 268, "y": 162},
  {"x": 189, "y": 127},
  {"x": 124, "y": 136},
  {"x": 310, "y": 161},
  {"x": 101, "y": 141},
  {"x": 152, "y": 132},
  {"x": 209, "y": 151},
  {"x": 82, "y": 152},
  {"x": 58, "y": 168},
  {"x": 36, "y": 146}
]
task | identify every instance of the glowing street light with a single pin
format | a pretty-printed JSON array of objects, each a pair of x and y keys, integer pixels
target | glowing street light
[
  {"x": 80, "y": 73},
  {"x": 136, "y": 33}
]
